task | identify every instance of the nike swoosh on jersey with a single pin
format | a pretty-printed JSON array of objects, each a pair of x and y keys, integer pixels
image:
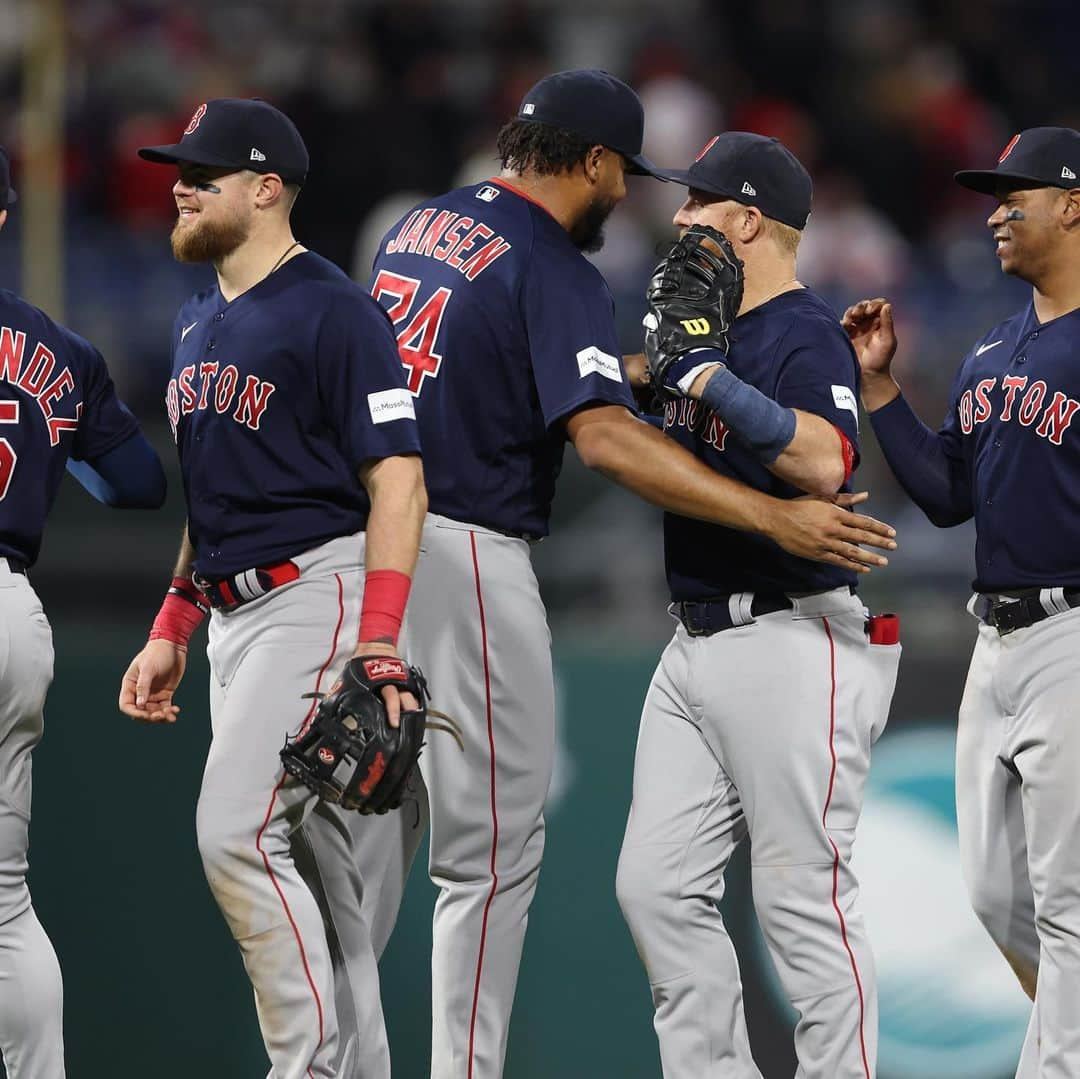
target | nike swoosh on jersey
[
  {"x": 986, "y": 348},
  {"x": 187, "y": 329}
]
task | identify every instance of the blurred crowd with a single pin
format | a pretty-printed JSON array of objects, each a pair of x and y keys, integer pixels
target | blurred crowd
[{"x": 881, "y": 99}]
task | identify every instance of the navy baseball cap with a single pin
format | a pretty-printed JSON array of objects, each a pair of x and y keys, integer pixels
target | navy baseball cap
[
  {"x": 238, "y": 133},
  {"x": 754, "y": 170},
  {"x": 7, "y": 193},
  {"x": 591, "y": 103},
  {"x": 1038, "y": 157}
]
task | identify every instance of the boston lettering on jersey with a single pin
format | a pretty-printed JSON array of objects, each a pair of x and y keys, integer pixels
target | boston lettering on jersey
[
  {"x": 218, "y": 390},
  {"x": 977, "y": 405},
  {"x": 1012, "y": 434},
  {"x": 504, "y": 329},
  {"x": 56, "y": 401},
  {"x": 276, "y": 400},
  {"x": 793, "y": 350},
  {"x": 33, "y": 369}
]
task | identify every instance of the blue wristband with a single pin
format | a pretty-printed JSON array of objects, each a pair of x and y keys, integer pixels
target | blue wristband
[{"x": 766, "y": 427}]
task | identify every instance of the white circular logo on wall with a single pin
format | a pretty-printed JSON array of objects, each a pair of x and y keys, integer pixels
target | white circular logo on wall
[{"x": 950, "y": 1007}]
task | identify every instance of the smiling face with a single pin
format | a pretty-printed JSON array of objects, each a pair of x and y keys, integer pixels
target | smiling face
[
  {"x": 1027, "y": 229},
  {"x": 215, "y": 209}
]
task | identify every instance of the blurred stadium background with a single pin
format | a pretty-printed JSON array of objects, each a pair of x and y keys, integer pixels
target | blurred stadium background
[{"x": 882, "y": 99}]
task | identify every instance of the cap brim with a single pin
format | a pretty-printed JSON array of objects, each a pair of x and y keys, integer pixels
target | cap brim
[
  {"x": 170, "y": 155},
  {"x": 640, "y": 165},
  {"x": 987, "y": 181},
  {"x": 682, "y": 176}
]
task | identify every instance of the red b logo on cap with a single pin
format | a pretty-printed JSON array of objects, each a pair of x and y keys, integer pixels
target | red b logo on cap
[
  {"x": 1008, "y": 149},
  {"x": 196, "y": 116}
]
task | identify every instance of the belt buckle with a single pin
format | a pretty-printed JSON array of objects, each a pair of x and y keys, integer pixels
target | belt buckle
[
  {"x": 1001, "y": 616},
  {"x": 693, "y": 626}
]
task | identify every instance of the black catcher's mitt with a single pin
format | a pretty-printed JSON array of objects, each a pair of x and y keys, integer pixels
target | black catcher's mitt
[
  {"x": 694, "y": 296},
  {"x": 350, "y": 755}
]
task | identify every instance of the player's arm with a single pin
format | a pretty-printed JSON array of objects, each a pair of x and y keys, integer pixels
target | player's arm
[
  {"x": 395, "y": 486},
  {"x": 800, "y": 447},
  {"x": 128, "y": 476},
  {"x": 935, "y": 480},
  {"x": 146, "y": 690},
  {"x": 639, "y": 457}
]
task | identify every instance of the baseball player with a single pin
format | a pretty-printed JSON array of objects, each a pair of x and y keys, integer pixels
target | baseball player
[
  {"x": 299, "y": 454},
  {"x": 507, "y": 336},
  {"x": 730, "y": 745},
  {"x": 1008, "y": 454},
  {"x": 57, "y": 407}
]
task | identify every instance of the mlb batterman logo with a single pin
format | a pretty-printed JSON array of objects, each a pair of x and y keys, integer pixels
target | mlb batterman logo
[{"x": 196, "y": 116}]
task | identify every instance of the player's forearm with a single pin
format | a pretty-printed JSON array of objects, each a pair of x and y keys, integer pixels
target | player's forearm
[
  {"x": 934, "y": 482},
  {"x": 398, "y": 506},
  {"x": 637, "y": 456},
  {"x": 186, "y": 558},
  {"x": 814, "y": 459}
]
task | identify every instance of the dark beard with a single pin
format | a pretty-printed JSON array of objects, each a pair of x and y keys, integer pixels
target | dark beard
[
  {"x": 205, "y": 242},
  {"x": 587, "y": 232}
]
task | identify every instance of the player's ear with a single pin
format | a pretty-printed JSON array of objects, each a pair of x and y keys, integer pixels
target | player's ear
[
  {"x": 269, "y": 191},
  {"x": 1070, "y": 214},
  {"x": 592, "y": 163},
  {"x": 751, "y": 224}
]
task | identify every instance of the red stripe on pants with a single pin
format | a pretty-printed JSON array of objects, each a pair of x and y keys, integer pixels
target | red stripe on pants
[
  {"x": 836, "y": 852},
  {"x": 494, "y": 810},
  {"x": 270, "y": 810}
]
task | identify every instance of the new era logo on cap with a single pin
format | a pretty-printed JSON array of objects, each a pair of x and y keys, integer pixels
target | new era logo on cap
[
  {"x": 528, "y": 109},
  {"x": 747, "y": 189},
  {"x": 257, "y": 155},
  {"x": 1067, "y": 173}
]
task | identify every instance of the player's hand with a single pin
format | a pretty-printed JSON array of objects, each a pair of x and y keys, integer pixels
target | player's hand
[
  {"x": 637, "y": 371},
  {"x": 828, "y": 532},
  {"x": 393, "y": 700},
  {"x": 146, "y": 691},
  {"x": 869, "y": 324}
]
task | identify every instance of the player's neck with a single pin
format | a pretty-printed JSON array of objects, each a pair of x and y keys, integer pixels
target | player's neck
[
  {"x": 553, "y": 193},
  {"x": 256, "y": 258},
  {"x": 1057, "y": 293},
  {"x": 765, "y": 283}
]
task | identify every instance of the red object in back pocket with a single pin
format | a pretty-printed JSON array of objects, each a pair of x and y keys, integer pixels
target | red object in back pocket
[{"x": 884, "y": 629}]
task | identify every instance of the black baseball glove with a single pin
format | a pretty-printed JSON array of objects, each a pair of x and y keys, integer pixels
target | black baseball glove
[
  {"x": 350, "y": 755},
  {"x": 694, "y": 296}
]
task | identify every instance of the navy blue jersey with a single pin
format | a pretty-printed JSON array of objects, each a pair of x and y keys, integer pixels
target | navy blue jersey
[
  {"x": 275, "y": 401},
  {"x": 505, "y": 329},
  {"x": 793, "y": 350},
  {"x": 56, "y": 401},
  {"x": 1011, "y": 429}
]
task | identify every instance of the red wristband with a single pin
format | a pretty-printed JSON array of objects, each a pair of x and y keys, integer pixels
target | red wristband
[
  {"x": 386, "y": 591},
  {"x": 847, "y": 450},
  {"x": 181, "y": 613}
]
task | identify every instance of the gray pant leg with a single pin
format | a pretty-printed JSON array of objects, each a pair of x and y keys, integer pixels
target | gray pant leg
[
  {"x": 31, "y": 992},
  {"x": 478, "y": 628},
  {"x": 796, "y": 745},
  {"x": 1041, "y": 668},
  {"x": 684, "y": 823},
  {"x": 990, "y": 818},
  {"x": 323, "y": 850}
]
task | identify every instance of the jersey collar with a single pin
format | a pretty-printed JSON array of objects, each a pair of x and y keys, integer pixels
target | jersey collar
[{"x": 528, "y": 198}]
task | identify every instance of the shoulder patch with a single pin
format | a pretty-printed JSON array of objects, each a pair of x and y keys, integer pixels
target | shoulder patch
[
  {"x": 594, "y": 361},
  {"x": 487, "y": 193},
  {"x": 387, "y": 405},
  {"x": 845, "y": 399}
]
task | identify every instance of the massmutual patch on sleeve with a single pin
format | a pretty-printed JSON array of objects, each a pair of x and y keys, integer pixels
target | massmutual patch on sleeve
[
  {"x": 844, "y": 398},
  {"x": 387, "y": 405},
  {"x": 593, "y": 361}
]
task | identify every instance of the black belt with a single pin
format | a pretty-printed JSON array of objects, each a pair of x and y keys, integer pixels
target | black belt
[
  {"x": 16, "y": 566},
  {"x": 703, "y": 618},
  {"x": 1009, "y": 613}
]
